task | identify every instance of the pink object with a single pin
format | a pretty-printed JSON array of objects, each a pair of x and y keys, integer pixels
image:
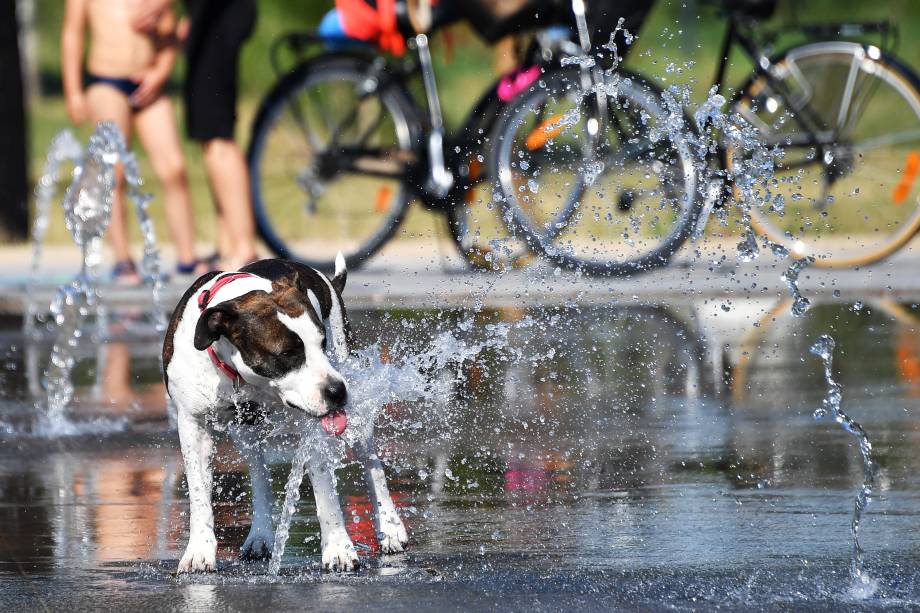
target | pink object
[
  {"x": 335, "y": 422},
  {"x": 521, "y": 476},
  {"x": 515, "y": 82}
]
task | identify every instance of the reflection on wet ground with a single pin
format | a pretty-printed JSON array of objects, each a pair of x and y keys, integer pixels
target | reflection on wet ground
[{"x": 649, "y": 456}]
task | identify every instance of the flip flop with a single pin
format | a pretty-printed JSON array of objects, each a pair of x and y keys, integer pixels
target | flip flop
[{"x": 125, "y": 273}]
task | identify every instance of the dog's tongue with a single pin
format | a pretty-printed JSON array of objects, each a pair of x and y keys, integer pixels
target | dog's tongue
[{"x": 334, "y": 422}]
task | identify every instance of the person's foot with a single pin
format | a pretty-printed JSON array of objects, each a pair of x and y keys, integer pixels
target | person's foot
[
  {"x": 213, "y": 261},
  {"x": 195, "y": 268},
  {"x": 125, "y": 273}
]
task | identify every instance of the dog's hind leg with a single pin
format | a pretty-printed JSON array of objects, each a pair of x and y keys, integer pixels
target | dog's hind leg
[
  {"x": 259, "y": 543},
  {"x": 338, "y": 550},
  {"x": 391, "y": 533},
  {"x": 197, "y": 449}
]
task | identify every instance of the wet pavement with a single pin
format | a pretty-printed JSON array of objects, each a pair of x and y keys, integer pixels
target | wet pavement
[
  {"x": 430, "y": 274},
  {"x": 650, "y": 456}
]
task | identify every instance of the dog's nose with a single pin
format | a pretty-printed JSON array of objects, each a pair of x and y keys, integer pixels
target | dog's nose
[{"x": 335, "y": 392}]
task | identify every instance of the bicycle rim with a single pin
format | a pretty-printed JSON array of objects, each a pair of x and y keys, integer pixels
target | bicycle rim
[
  {"x": 860, "y": 201},
  {"x": 481, "y": 234},
  {"x": 616, "y": 203},
  {"x": 474, "y": 219},
  {"x": 309, "y": 204}
]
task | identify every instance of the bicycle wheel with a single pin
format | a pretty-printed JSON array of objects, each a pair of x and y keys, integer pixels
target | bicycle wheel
[
  {"x": 474, "y": 219},
  {"x": 481, "y": 235},
  {"x": 845, "y": 188},
  {"x": 610, "y": 195},
  {"x": 327, "y": 158}
]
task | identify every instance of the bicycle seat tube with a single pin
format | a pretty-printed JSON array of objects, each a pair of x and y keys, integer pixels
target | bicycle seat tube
[{"x": 440, "y": 179}]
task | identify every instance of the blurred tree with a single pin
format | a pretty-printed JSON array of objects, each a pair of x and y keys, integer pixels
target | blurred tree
[{"x": 14, "y": 212}]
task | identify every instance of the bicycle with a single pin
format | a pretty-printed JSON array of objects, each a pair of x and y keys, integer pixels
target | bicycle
[
  {"x": 651, "y": 203},
  {"x": 346, "y": 182}
]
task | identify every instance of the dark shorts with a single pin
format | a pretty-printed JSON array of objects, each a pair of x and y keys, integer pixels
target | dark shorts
[
  {"x": 218, "y": 30},
  {"x": 125, "y": 86}
]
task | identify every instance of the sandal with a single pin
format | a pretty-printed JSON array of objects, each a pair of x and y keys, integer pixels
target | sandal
[
  {"x": 197, "y": 267},
  {"x": 125, "y": 273}
]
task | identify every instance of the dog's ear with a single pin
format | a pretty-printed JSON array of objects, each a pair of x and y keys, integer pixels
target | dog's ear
[
  {"x": 214, "y": 323},
  {"x": 341, "y": 273}
]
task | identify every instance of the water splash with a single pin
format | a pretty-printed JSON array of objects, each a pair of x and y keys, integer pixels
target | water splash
[
  {"x": 291, "y": 498},
  {"x": 862, "y": 585},
  {"x": 87, "y": 208},
  {"x": 399, "y": 373},
  {"x": 800, "y": 304},
  {"x": 752, "y": 162},
  {"x": 106, "y": 145},
  {"x": 611, "y": 44},
  {"x": 583, "y": 61},
  {"x": 150, "y": 263},
  {"x": 64, "y": 148},
  {"x": 752, "y": 171}
]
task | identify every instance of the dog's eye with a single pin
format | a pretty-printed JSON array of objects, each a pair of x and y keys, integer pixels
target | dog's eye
[{"x": 290, "y": 353}]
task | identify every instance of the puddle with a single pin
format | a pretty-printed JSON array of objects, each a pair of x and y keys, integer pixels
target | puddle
[{"x": 652, "y": 456}]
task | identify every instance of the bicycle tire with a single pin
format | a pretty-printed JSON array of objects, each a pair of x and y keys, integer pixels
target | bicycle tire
[
  {"x": 633, "y": 94},
  {"x": 497, "y": 253},
  {"x": 474, "y": 222},
  {"x": 392, "y": 97},
  {"x": 845, "y": 244}
]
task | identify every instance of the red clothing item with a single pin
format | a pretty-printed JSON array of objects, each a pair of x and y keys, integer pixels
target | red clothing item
[{"x": 362, "y": 21}]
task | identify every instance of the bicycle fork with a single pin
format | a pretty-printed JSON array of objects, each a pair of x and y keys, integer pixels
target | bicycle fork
[{"x": 440, "y": 179}]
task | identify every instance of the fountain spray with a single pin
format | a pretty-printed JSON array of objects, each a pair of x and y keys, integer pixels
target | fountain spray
[
  {"x": 87, "y": 208},
  {"x": 823, "y": 347}
]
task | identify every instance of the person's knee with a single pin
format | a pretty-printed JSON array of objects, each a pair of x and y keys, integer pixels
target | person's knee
[
  {"x": 219, "y": 149},
  {"x": 172, "y": 173}
]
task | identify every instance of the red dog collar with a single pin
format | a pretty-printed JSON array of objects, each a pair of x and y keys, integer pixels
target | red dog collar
[{"x": 204, "y": 298}]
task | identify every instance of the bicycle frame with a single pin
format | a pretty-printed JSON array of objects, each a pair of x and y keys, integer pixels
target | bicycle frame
[
  {"x": 803, "y": 115},
  {"x": 439, "y": 174},
  {"x": 440, "y": 178},
  {"x": 740, "y": 32}
]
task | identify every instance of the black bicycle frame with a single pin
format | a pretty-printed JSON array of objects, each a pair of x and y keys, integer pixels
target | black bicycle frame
[{"x": 802, "y": 114}]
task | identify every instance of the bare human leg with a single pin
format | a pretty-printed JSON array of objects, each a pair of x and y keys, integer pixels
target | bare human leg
[
  {"x": 108, "y": 104},
  {"x": 224, "y": 244},
  {"x": 229, "y": 180},
  {"x": 159, "y": 134}
]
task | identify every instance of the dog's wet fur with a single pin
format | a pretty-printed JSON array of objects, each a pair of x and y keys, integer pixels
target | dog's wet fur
[{"x": 284, "y": 328}]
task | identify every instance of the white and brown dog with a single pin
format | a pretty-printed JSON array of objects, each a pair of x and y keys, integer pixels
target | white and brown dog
[{"x": 266, "y": 336}]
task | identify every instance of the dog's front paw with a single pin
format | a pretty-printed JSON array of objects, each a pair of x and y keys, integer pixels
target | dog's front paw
[
  {"x": 339, "y": 553},
  {"x": 200, "y": 556},
  {"x": 258, "y": 545},
  {"x": 391, "y": 533}
]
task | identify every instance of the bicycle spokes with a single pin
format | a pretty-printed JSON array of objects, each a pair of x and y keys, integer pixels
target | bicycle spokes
[{"x": 846, "y": 170}]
